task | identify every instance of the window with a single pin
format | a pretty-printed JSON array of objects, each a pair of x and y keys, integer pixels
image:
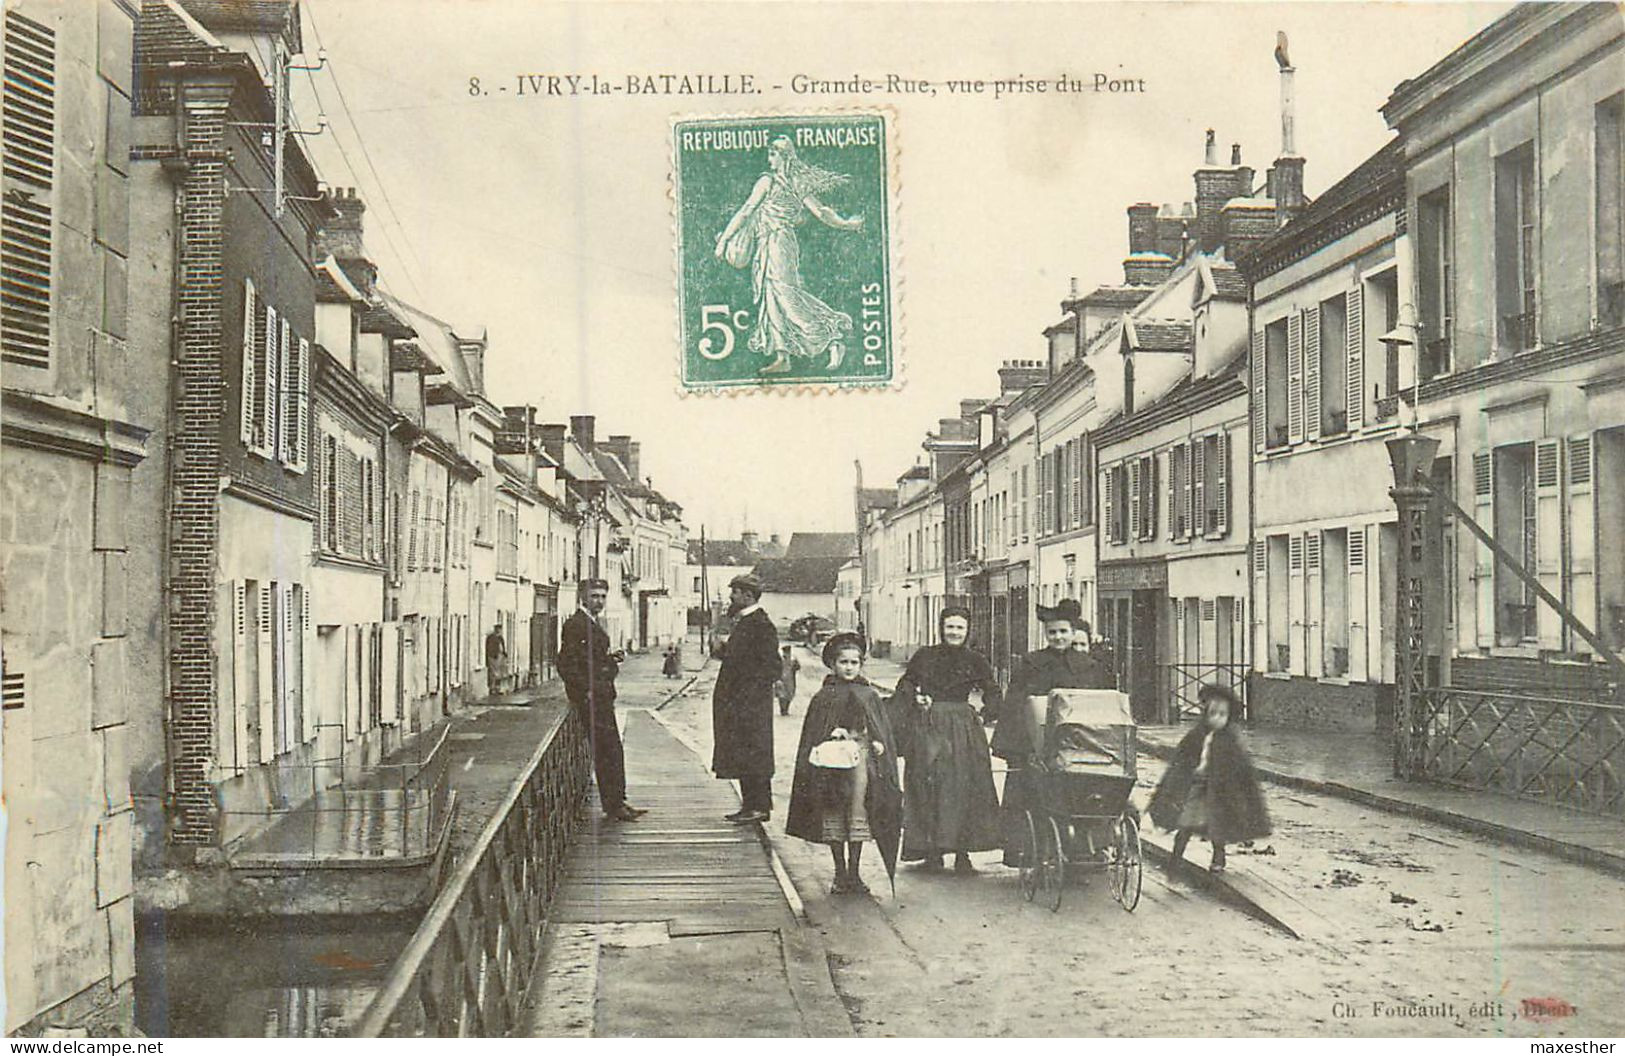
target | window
[
  {"x": 1275, "y": 386},
  {"x": 1434, "y": 263},
  {"x": 1381, "y": 297},
  {"x": 1611, "y": 211},
  {"x": 1334, "y": 366},
  {"x": 1334, "y": 594},
  {"x": 1115, "y": 485},
  {"x": 1278, "y": 591},
  {"x": 29, "y": 122},
  {"x": 1515, "y": 265},
  {"x": 1516, "y": 529},
  {"x": 1179, "y": 492},
  {"x": 1025, "y": 521},
  {"x": 349, "y": 498},
  {"x": 1213, "y": 491}
]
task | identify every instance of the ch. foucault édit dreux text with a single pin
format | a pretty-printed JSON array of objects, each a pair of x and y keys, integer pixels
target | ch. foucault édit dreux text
[{"x": 565, "y": 85}]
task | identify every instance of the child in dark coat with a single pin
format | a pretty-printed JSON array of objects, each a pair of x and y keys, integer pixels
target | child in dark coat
[
  {"x": 843, "y": 808},
  {"x": 1210, "y": 789}
]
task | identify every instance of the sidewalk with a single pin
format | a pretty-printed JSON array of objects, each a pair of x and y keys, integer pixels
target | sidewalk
[
  {"x": 1359, "y": 767},
  {"x": 676, "y": 925}
]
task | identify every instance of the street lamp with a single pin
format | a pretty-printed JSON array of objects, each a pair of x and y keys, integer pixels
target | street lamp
[{"x": 1411, "y": 456}]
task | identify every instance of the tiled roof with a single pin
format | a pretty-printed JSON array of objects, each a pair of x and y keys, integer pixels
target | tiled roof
[
  {"x": 434, "y": 338},
  {"x": 799, "y": 575},
  {"x": 723, "y": 552},
  {"x": 1381, "y": 171},
  {"x": 1167, "y": 336},
  {"x": 879, "y": 498},
  {"x": 1229, "y": 283},
  {"x": 822, "y": 544},
  {"x": 271, "y": 16}
]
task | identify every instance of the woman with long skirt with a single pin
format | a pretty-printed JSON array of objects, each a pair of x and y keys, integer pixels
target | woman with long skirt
[{"x": 949, "y": 803}]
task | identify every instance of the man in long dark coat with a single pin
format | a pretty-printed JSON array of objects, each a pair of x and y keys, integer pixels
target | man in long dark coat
[
  {"x": 588, "y": 668},
  {"x": 1058, "y": 666},
  {"x": 742, "y": 703}
]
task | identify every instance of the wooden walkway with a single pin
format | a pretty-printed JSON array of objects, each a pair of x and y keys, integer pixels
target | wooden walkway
[{"x": 675, "y": 924}]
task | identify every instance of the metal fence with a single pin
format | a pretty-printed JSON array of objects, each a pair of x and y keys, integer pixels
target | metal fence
[
  {"x": 469, "y": 965},
  {"x": 1566, "y": 752},
  {"x": 1185, "y": 682}
]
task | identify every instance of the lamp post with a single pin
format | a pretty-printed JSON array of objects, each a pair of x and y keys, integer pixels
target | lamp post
[{"x": 1411, "y": 456}]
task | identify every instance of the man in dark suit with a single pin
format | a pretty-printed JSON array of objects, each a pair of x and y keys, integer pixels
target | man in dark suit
[
  {"x": 589, "y": 669},
  {"x": 742, "y": 703}
]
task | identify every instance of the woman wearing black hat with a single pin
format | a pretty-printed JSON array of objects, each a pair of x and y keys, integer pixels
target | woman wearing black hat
[
  {"x": 1058, "y": 666},
  {"x": 949, "y": 802}
]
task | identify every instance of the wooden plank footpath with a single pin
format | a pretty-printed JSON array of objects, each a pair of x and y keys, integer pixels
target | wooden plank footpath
[{"x": 675, "y": 924}]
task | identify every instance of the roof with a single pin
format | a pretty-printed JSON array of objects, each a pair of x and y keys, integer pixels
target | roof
[
  {"x": 271, "y": 16},
  {"x": 1145, "y": 335},
  {"x": 335, "y": 287},
  {"x": 800, "y": 575},
  {"x": 1219, "y": 280},
  {"x": 723, "y": 552},
  {"x": 434, "y": 338},
  {"x": 822, "y": 544},
  {"x": 879, "y": 498},
  {"x": 1377, "y": 183}
]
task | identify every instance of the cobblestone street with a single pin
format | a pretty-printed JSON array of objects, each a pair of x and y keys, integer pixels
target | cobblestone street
[{"x": 1447, "y": 933}]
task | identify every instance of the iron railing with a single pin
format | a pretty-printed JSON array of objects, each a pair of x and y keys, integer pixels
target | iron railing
[
  {"x": 1565, "y": 752},
  {"x": 469, "y": 965},
  {"x": 1185, "y": 682},
  {"x": 335, "y": 809}
]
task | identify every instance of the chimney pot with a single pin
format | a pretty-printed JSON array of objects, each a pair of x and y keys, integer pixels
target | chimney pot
[
  {"x": 1210, "y": 150},
  {"x": 1235, "y": 153},
  {"x": 581, "y": 427}
]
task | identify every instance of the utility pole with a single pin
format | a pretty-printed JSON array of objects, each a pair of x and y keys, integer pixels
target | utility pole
[{"x": 705, "y": 597}]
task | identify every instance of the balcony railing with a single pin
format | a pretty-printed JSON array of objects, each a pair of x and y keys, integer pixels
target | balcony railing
[
  {"x": 1185, "y": 682},
  {"x": 1566, "y": 752},
  {"x": 468, "y": 967}
]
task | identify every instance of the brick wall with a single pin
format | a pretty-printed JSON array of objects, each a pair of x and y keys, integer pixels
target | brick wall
[
  {"x": 195, "y": 468},
  {"x": 1305, "y": 703}
]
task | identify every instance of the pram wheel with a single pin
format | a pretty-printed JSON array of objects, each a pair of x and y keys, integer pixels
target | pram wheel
[
  {"x": 1126, "y": 864},
  {"x": 1029, "y": 859},
  {"x": 1052, "y": 872}
]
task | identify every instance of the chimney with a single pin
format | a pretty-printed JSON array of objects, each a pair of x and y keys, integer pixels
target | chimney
[
  {"x": 969, "y": 409},
  {"x": 631, "y": 459},
  {"x": 472, "y": 349},
  {"x": 774, "y": 539},
  {"x": 1019, "y": 375},
  {"x": 1142, "y": 228},
  {"x": 751, "y": 540},
  {"x": 581, "y": 430},
  {"x": 342, "y": 238},
  {"x": 553, "y": 437},
  {"x": 1171, "y": 231},
  {"x": 1210, "y": 150},
  {"x": 1286, "y": 183},
  {"x": 1216, "y": 185}
]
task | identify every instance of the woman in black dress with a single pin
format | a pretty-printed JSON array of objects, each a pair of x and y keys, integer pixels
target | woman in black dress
[{"x": 949, "y": 802}]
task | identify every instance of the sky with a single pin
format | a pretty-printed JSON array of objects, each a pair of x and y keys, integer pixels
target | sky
[{"x": 548, "y": 221}]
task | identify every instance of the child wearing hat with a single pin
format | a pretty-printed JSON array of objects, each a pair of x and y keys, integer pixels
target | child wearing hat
[
  {"x": 1210, "y": 789},
  {"x": 846, "y": 807}
]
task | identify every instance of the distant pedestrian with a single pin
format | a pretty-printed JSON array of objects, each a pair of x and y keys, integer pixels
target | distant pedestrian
[
  {"x": 672, "y": 666},
  {"x": 949, "y": 802},
  {"x": 742, "y": 702},
  {"x": 496, "y": 659},
  {"x": 588, "y": 668},
  {"x": 846, "y": 806},
  {"x": 785, "y": 688},
  {"x": 1210, "y": 790}
]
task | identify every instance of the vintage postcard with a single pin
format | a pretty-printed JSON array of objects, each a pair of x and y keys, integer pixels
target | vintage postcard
[{"x": 900, "y": 520}]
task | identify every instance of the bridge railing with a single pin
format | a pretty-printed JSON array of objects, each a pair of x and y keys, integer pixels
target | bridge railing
[{"x": 469, "y": 965}]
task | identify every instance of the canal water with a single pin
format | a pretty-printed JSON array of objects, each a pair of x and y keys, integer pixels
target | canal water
[{"x": 274, "y": 978}]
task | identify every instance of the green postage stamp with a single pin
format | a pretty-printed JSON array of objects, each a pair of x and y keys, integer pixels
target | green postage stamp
[{"x": 784, "y": 251}]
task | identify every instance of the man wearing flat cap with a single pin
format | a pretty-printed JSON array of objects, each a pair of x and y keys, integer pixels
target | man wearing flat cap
[
  {"x": 742, "y": 703},
  {"x": 589, "y": 667}
]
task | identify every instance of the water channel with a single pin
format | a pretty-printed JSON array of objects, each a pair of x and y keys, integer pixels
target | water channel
[{"x": 294, "y": 978}]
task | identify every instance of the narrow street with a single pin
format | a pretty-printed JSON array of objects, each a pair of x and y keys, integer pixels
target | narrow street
[{"x": 1416, "y": 925}]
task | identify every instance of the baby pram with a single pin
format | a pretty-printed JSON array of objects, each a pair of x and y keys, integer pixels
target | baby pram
[{"x": 1078, "y": 790}]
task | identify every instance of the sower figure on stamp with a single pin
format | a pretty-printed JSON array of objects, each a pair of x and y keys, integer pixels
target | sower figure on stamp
[
  {"x": 742, "y": 703},
  {"x": 588, "y": 668},
  {"x": 789, "y": 319}
]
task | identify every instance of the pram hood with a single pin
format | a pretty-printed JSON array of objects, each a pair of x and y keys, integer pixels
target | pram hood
[{"x": 1095, "y": 708}]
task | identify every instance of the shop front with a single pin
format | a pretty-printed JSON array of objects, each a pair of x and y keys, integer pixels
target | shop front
[{"x": 1132, "y": 599}]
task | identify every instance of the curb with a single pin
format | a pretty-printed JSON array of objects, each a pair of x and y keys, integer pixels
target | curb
[{"x": 1504, "y": 834}]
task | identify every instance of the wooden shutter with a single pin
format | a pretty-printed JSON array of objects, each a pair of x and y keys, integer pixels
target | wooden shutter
[
  {"x": 1149, "y": 493},
  {"x": 1134, "y": 483},
  {"x": 412, "y": 535},
  {"x": 242, "y": 694},
  {"x": 1176, "y": 465},
  {"x": 287, "y": 732},
  {"x": 1108, "y": 484},
  {"x": 307, "y": 668},
  {"x": 1549, "y": 538},
  {"x": 1359, "y": 668},
  {"x": 26, "y": 178},
  {"x": 1261, "y": 598},
  {"x": 287, "y": 395},
  {"x": 1356, "y": 356},
  {"x": 250, "y": 383},
  {"x": 1259, "y": 370},
  {"x": 1083, "y": 476},
  {"x": 1484, "y": 558},
  {"x": 1582, "y": 522},
  {"x": 301, "y": 410},
  {"x": 1199, "y": 497},
  {"x": 265, "y": 697},
  {"x": 1294, "y": 377},
  {"x": 268, "y": 383},
  {"x": 1297, "y": 618},
  {"x": 1222, "y": 499},
  {"x": 390, "y": 673},
  {"x": 1314, "y": 606},
  {"x": 1311, "y": 371}
]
